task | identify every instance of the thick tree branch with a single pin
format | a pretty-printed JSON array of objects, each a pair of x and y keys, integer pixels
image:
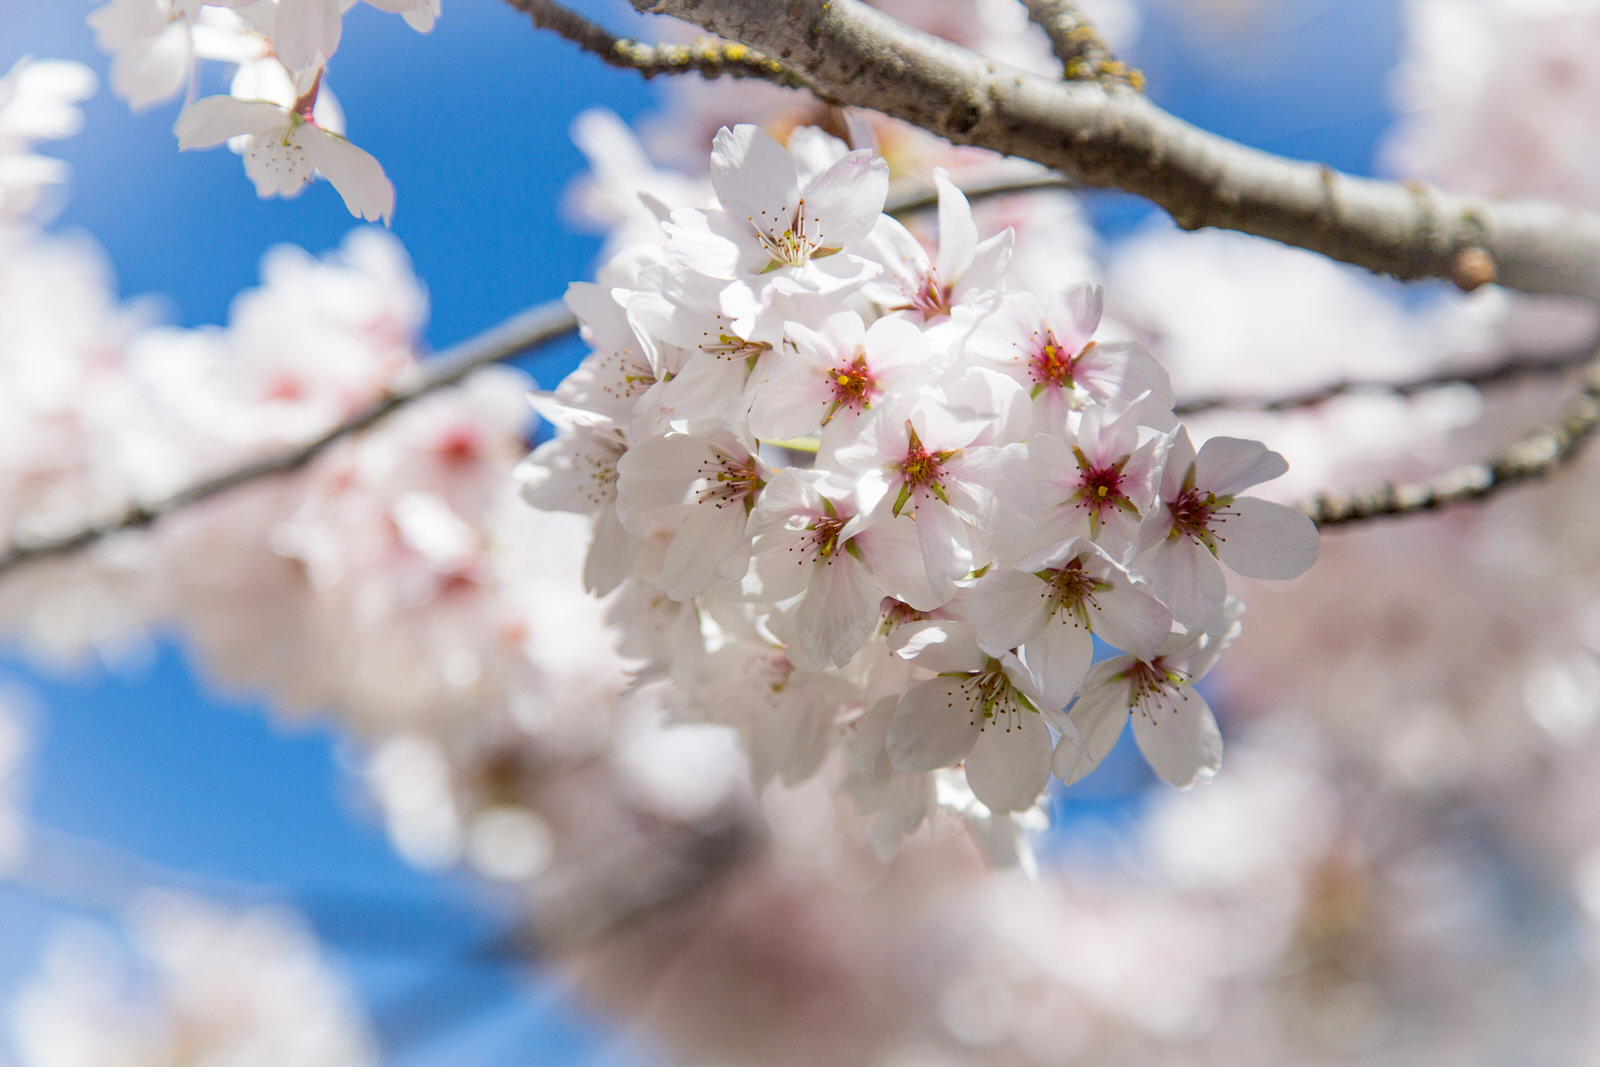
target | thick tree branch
[
  {"x": 511, "y": 338},
  {"x": 1536, "y": 456},
  {"x": 1079, "y": 47},
  {"x": 851, "y": 54},
  {"x": 710, "y": 59}
]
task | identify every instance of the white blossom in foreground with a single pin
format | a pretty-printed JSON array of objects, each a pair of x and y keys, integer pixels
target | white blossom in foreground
[{"x": 883, "y": 502}]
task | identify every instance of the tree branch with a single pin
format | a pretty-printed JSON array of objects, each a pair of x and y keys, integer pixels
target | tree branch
[
  {"x": 511, "y": 338},
  {"x": 854, "y": 55},
  {"x": 1536, "y": 456},
  {"x": 1075, "y": 42},
  {"x": 710, "y": 59}
]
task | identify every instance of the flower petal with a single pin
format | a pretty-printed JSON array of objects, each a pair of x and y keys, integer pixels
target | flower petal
[
  {"x": 1009, "y": 768},
  {"x": 1266, "y": 540},
  {"x": 1179, "y": 737},
  {"x": 366, "y": 190},
  {"x": 214, "y": 119},
  {"x": 933, "y": 727}
]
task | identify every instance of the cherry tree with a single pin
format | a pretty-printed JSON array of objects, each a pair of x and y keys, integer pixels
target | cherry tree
[{"x": 885, "y": 496}]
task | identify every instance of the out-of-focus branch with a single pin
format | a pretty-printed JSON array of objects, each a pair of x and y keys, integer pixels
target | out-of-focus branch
[
  {"x": 1078, "y": 45},
  {"x": 710, "y": 59},
  {"x": 852, "y": 54},
  {"x": 511, "y": 338},
  {"x": 1512, "y": 369},
  {"x": 1536, "y": 456}
]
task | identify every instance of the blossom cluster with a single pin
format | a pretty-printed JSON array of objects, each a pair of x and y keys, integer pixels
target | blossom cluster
[
  {"x": 861, "y": 494},
  {"x": 278, "y": 113}
]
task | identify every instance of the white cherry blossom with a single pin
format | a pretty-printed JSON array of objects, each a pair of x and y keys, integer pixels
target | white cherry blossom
[
  {"x": 1202, "y": 519},
  {"x": 1172, "y": 723},
  {"x": 285, "y": 147}
]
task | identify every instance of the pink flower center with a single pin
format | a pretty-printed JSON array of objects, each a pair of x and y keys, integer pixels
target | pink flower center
[
  {"x": 853, "y": 385},
  {"x": 1054, "y": 364}
]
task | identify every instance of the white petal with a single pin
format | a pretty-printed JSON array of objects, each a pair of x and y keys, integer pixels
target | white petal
[
  {"x": 366, "y": 190},
  {"x": 1226, "y": 465},
  {"x": 1008, "y": 769},
  {"x": 932, "y": 727},
  {"x": 305, "y": 31},
  {"x": 214, "y": 119},
  {"x": 1008, "y": 607},
  {"x": 1179, "y": 738},
  {"x": 1098, "y": 716},
  {"x": 847, "y": 198},
  {"x": 1132, "y": 621},
  {"x": 1266, "y": 540},
  {"x": 839, "y": 611},
  {"x": 706, "y": 535},
  {"x": 958, "y": 234},
  {"x": 1060, "y": 656}
]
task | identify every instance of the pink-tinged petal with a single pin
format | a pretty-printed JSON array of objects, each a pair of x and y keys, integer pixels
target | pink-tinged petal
[
  {"x": 943, "y": 645},
  {"x": 752, "y": 173},
  {"x": 1060, "y": 656},
  {"x": 1188, "y": 580},
  {"x": 1074, "y": 314},
  {"x": 1132, "y": 621},
  {"x": 1227, "y": 465},
  {"x": 213, "y": 119},
  {"x": 1179, "y": 738},
  {"x": 366, "y": 190},
  {"x": 705, "y": 536},
  {"x": 1099, "y": 716},
  {"x": 933, "y": 727},
  {"x": 846, "y": 199},
  {"x": 958, "y": 234},
  {"x": 157, "y": 71},
  {"x": 891, "y": 549},
  {"x": 945, "y": 553},
  {"x": 1124, "y": 370},
  {"x": 986, "y": 271},
  {"x": 1266, "y": 540},
  {"x": 610, "y": 555},
  {"x": 306, "y": 31},
  {"x": 1009, "y": 768},
  {"x": 839, "y": 611},
  {"x": 1008, "y": 607},
  {"x": 278, "y": 162}
]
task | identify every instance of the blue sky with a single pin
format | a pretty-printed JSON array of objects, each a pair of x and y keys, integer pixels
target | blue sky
[{"x": 471, "y": 123}]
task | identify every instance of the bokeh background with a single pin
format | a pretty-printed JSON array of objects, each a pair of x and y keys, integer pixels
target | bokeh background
[{"x": 143, "y": 770}]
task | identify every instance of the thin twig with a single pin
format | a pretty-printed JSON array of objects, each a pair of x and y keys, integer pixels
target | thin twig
[
  {"x": 511, "y": 338},
  {"x": 706, "y": 57},
  {"x": 1512, "y": 369},
  {"x": 1535, "y": 456},
  {"x": 1078, "y": 45}
]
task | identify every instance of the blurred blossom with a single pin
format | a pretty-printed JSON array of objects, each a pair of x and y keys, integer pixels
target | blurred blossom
[{"x": 207, "y": 987}]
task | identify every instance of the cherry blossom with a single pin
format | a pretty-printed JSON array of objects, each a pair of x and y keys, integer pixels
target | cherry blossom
[
  {"x": 285, "y": 146},
  {"x": 1172, "y": 722},
  {"x": 1203, "y": 519}
]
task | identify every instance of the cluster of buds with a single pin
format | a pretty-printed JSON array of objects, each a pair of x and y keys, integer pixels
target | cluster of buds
[{"x": 861, "y": 495}]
